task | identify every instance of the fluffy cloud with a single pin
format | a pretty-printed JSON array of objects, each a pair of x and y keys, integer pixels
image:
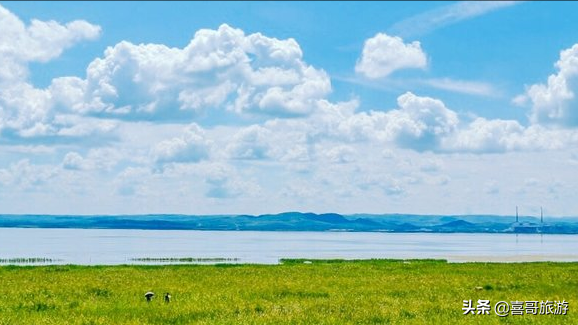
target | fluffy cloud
[
  {"x": 419, "y": 123},
  {"x": 555, "y": 103},
  {"x": 484, "y": 135},
  {"x": 191, "y": 146},
  {"x": 132, "y": 181},
  {"x": 384, "y": 54},
  {"x": 224, "y": 182},
  {"x": 65, "y": 125},
  {"x": 96, "y": 159},
  {"x": 218, "y": 69},
  {"x": 73, "y": 161},
  {"x": 40, "y": 41},
  {"x": 426, "y": 124},
  {"x": 24, "y": 110},
  {"x": 341, "y": 154},
  {"x": 27, "y": 176},
  {"x": 328, "y": 154},
  {"x": 250, "y": 143},
  {"x": 391, "y": 186},
  {"x": 487, "y": 136}
]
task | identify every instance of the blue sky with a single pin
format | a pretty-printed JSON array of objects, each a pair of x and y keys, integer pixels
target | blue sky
[{"x": 207, "y": 108}]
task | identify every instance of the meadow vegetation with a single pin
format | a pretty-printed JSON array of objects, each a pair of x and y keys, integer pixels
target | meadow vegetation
[{"x": 294, "y": 292}]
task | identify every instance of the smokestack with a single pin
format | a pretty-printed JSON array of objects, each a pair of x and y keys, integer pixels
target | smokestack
[
  {"x": 541, "y": 215},
  {"x": 516, "y": 213}
]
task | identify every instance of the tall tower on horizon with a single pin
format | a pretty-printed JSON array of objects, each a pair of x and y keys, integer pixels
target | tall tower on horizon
[{"x": 541, "y": 215}]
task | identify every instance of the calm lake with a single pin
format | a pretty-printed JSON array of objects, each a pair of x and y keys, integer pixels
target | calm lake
[{"x": 112, "y": 246}]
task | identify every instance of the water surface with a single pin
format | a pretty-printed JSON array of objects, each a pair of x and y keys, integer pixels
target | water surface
[{"x": 121, "y": 246}]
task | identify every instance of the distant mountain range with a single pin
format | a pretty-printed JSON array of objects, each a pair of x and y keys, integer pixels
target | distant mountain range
[{"x": 297, "y": 221}]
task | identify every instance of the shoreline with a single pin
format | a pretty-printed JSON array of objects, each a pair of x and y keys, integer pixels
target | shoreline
[
  {"x": 300, "y": 231},
  {"x": 521, "y": 259}
]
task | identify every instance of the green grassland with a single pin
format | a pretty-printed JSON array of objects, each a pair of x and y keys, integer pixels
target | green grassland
[{"x": 294, "y": 292}]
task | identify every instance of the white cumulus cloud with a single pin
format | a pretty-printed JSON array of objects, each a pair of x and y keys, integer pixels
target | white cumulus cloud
[
  {"x": 40, "y": 41},
  {"x": 191, "y": 146},
  {"x": 418, "y": 123},
  {"x": 27, "y": 176},
  {"x": 250, "y": 143},
  {"x": 492, "y": 136},
  {"x": 555, "y": 102},
  {"x": 384, "y": 54},
  {"x": 26, "y": 111},
  {"x": 219, "y": 69}
]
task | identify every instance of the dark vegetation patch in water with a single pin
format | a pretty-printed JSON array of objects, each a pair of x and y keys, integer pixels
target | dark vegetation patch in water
[
  {"x": 27, "y": 260},
  {"x": 184, "y": 259}
]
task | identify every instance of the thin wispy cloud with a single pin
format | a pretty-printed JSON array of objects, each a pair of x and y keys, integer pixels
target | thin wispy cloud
[
  {"x": 387, "y": 84},
  {"x": 476, "y": 88},
  {"x": 430, "y": 20},
  {"x": 462, "y": 86}
]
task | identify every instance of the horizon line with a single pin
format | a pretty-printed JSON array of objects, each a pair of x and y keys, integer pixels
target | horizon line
[{"x": 278, "y": 213}]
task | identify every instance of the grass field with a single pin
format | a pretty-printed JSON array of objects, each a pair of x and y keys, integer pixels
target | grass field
[{"x": 322, "y": 292}]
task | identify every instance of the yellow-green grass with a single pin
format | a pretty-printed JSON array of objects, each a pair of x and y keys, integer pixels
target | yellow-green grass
[{"x": 322, "y": 292}]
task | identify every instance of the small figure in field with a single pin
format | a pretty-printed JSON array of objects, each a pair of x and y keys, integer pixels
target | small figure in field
[
  {"x": 149, "y": 296},
  {"x": 167, "y": 297}
]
